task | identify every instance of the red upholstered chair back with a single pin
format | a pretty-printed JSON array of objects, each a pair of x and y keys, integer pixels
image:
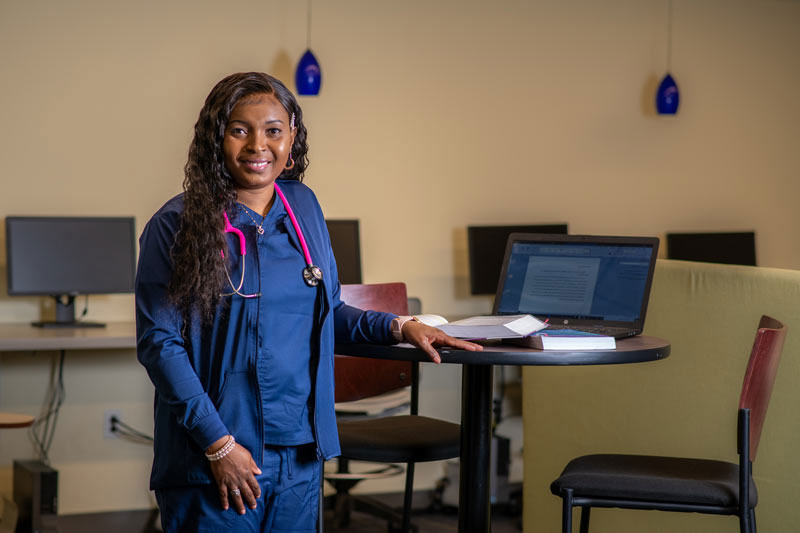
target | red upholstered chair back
[
  {"x": 359, "y": 377},
  {"x": 760, "y": 375}
]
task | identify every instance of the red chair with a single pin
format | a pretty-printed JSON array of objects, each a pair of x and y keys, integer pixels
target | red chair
[
  {"x": 390, "y": 439},
  {"x": 682, "y": 484}
]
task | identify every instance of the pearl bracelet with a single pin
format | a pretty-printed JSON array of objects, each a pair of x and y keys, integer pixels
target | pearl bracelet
[{"x": 222, "y": 452}]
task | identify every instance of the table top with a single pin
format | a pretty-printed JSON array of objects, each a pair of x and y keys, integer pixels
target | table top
[
  {"x": 24, "y": 337},
  {"x": 14, "y": 420},
  {"x": 638, "y": 349}
]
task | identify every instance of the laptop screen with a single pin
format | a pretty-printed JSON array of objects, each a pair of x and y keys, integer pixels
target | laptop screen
[{"x": 582, "y": 278}]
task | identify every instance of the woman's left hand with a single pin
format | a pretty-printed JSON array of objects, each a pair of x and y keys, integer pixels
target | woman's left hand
[{"x": 425, "y": 337}]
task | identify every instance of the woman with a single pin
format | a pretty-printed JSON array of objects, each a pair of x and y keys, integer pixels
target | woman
[{"x": 237, "y": 308}]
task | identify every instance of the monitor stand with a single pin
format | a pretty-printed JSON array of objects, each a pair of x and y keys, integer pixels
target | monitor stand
[{"x": 65, "y": 315}]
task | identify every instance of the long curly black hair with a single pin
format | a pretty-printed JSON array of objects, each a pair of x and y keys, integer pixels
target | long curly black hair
[{"x": 198, "y": 273}]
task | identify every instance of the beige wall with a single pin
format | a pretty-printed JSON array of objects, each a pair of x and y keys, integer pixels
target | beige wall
[{"x": 433, "y": 116}]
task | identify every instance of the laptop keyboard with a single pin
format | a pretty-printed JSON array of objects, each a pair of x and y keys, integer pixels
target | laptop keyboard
[{"x": 610, "y": 331}]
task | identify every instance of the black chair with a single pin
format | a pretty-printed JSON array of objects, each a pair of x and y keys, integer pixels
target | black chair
[
  {"x": 405, "y": 439},
  {"x": 682, "y": 484}
]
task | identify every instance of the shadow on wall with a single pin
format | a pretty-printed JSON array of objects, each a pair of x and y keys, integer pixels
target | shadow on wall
[
  {"x": 282, "y": 69},
  {"x": 648, "y": 100}
]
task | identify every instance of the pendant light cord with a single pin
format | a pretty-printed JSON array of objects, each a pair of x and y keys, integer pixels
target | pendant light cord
[
  {"x": 308, "y": 28},
  {"x": 669, "y": 33}
]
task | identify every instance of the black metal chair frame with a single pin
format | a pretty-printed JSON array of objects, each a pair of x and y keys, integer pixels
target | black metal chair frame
[
  {"x": 756, "y": 391},
  {"x": 402, "y": 439},
  {"x": 343, "y": 480},
  {"x": 746, "y": 513}
]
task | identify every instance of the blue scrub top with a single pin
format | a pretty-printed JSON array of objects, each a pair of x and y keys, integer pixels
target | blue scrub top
[
  {"x": 232, "y": 376},
  {"x": 286, "y": 314}
]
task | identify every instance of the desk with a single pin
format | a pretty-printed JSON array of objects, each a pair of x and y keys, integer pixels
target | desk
[
  {"x": 26, "y": 338},
  {"x": 476, "y": 400}
]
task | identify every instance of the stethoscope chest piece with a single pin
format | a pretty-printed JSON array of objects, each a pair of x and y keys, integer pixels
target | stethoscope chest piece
[{"x": 312, "y": 275}]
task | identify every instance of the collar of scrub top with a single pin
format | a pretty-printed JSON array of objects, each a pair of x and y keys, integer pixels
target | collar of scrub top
[{"x": 312, "y": 274}]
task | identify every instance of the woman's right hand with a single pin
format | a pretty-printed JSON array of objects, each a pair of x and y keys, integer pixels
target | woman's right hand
[{"x": 235, "y": 475}]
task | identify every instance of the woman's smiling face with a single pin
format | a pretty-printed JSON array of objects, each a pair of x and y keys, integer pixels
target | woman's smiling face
[{"x": 258, "y": 141}]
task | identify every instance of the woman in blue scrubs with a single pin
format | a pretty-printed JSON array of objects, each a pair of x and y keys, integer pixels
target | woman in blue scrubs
[{"x": 237, "y": 311}]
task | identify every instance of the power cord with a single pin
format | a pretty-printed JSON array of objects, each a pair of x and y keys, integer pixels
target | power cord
[
  {"x": 129, "y": 433},
  {"x": 43, "y": 429},
  {"x": 85, "y": 308}
]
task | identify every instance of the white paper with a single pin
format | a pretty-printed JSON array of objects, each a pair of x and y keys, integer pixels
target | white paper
[
  {"x": 493, "y": 327},
  {"x": 478, "y": 332}
]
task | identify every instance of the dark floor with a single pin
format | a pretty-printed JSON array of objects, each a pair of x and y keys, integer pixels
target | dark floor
[
  {"x": 427, "y": 521},
  {"x": 427, "y": 518}
]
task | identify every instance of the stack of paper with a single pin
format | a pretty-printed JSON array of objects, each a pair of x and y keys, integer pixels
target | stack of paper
[{"x": 490, "y": 327}]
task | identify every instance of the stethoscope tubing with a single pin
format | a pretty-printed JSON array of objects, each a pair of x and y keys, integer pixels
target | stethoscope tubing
[
  {"x": 296, "y": 226},
  {"x": 312, "y": 274}
]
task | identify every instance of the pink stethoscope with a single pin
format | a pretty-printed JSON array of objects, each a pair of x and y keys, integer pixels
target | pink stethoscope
[{"x": 312, "y": 274}]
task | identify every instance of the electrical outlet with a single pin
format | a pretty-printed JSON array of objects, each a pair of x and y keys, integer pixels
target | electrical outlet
[{"x": 109, "y": 431}]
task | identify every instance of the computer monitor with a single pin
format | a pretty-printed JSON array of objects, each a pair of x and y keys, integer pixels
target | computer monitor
[
  {"x": 732, "y": 248},
  {"x": 487, "y": 247},
  {"x": 346, "y": 245},
  {"x": 66, "y": 256}
]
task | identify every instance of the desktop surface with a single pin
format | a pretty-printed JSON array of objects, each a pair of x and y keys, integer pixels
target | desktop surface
[
  {"x": 20, "y": 337},
  {"x": 638, "y": 349}
]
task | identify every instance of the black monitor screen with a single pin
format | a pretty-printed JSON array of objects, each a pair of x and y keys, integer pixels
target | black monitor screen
[
  {"x": 70, "y": 255},
  {"x": 487, "y": 248},
  {"x": 346, "y": 246},
  {"x": 729, "y": 248}
]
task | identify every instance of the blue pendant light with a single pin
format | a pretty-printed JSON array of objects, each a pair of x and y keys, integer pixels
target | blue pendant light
[
  {"x": 668, "y": 97},
  {"x": 308, "y": 76}
]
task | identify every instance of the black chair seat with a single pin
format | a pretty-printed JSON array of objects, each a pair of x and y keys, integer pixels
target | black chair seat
[
  {"x": 657, "y": 479},
  {"x": 399, "y": 439}
]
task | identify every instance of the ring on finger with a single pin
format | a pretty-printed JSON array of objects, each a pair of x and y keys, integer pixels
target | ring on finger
[{"x": 236, "y": 492}]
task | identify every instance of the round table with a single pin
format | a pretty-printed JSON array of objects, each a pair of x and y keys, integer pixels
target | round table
[{"x": 476, "y": 400}]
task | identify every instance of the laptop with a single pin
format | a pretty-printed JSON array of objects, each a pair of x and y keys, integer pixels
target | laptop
[{"x": 583, "y": 282}]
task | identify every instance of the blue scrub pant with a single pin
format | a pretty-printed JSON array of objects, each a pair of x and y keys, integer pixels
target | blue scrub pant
[{"x": 289, "y": 503}]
